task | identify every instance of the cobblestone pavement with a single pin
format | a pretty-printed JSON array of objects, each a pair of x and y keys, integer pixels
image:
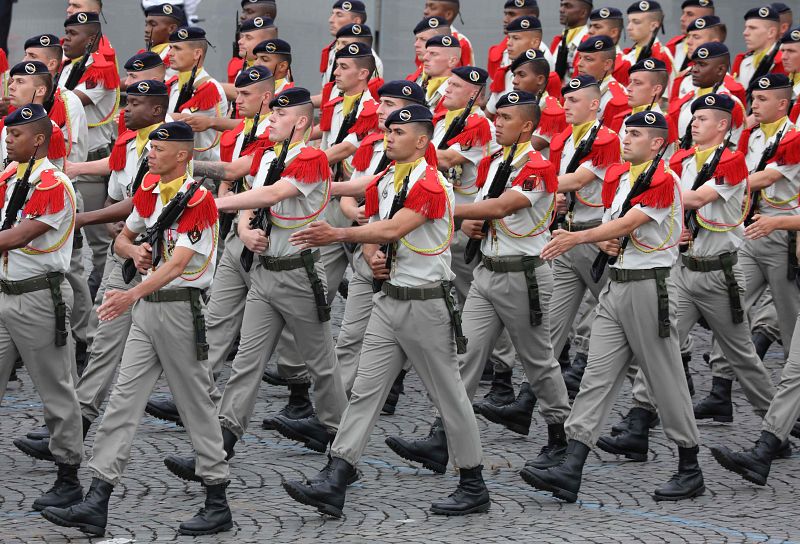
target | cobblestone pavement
[{"x": 390, "y": 502}]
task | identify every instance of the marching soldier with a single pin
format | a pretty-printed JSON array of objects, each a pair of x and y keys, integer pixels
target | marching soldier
[
  {"x": 703, "y": 30},
  {"x": 251, "y": 33},
  {"x": 790, "y": 49},
  {"x": 415, "y": 283},
  {"x": 636, "y": 315},
  {"x": 442, "y": 54},
  {"x": 449, "y": 10},
  {"x": 145, "y": 66},
  {"x": 691, "y": 10},
  {"x": 343, "y": 12},
  {"x": 193, "y": 90},
  {"x": 648, "y": 80},
  {"x": 167, "y": 336},
  {"x": 498, "y": 53},
  {"x": 356, "y": 33},
  {"x": 276, "y": 56},
  {"x": 774, "y": 179},
  {"x": 645, "y": 19},
  {"x": 38, "y": 219},
  {"x": 159, "y": 23},
  {"x": 761, "y": 36},
  {"x": 574, "y": 16},
  {"x": 426, "y": 29},
  {"x": 596, "y": 58},
  {"x": 609, "y": 22}
]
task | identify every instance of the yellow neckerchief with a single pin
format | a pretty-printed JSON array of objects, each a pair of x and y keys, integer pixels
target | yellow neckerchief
[
  {"x": 451, "y": 116},
  {"x": 579, "y": 131},
  {"x": 169, "y": 189},
  {"x": 143, "y": 136},
  {"x": 637, "y": 109},
  {"x": 770, "y": 129},
  {"x": 704, "y": 91},
  {"x": 758, "y": 56},
  {"x": 183, "y": 77},
  {"x": 348, "y": 102},
  {"x": 23, "y": 167},
  {"x": 636, "y": 170},
  {"x": 249, "y": 63},
  {"x": 158, "y": 49},
  {"x": 522, "y": 148},
  {"x": 572, "y": 32},
  {"x": 795, "y": 78},
  {"x": 76, "y": 61},
  {"x": 248, "y": 125},
  {"x": 433, "y": 84},
  {"x": 403, "y": 170},
  {"x": 279, "y": 83},
  {"x": 278, "y": 147},
  {"x": 700, "y": 157}
]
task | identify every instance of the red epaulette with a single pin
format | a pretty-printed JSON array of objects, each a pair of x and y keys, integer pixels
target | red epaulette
[
  {"x": 327, "y": 90},
  {"x": 795, "y": 113},
  {"x": 4, "y": 177},
  {"x": 48, "y": 196},
  {"x": 235, "y": 66},
  {"x": 227, "y": 142},
  {"x": 661, "y": 193},
  {"x": 58, "y": 146},
  {"x": 367, "y": 120},
  {"x": 371, "y": 198},
  {"x": 262, "y": 143},
  {"x": 555, "y": 43},
  {"x": 737, "y": 64},
  {"x": 744, "y": 140},
  {"x": 606, "y": 148},
  {"x": 616, "y": 123},
  {"x": 557, "y": 146},
  {"x": 105, "y": 49},
  {"x": 788, "y": 150},
  {"x": 363, "y": 155},
  {"x": 101, "y": 72},
  {"x": 477, "y": 132},
  {"x": 466, "y": 49},
  {"x": 204, "y": 97},
  {"x": 324, "y": 56},
  {"x": 618, "y": 102},
  {"x": 496, "y": 55},
  {"x": 430, "y": 155},
  {"x": 672, "y": 44},
  {"x": 554, "y": 87},
  {"x": 200, "y": 213},
  {"x": 735, "y": 88},
  {"x": 732, "y": 167},
  {"x": 309, "y": 166},
  {"x": 326, "y": 115},
  {"x": 414, "y": 76},
  {"x": 676, "y": 106},
  {"x": 484, "y": 166},
  {"x": 374, "y": 85},
  {"x": 121, "y": 128},
  {"x": 144, "y": 200},
  {"x": 58, "y": 113},
  {"x": 676, "y": 87},
  {"x": 3, "y": 61},
  {"x": 119, "y": 155},
  {"x": 171, "y": 81},
  {"x": 427, "y": 196},
  {"x": 498, "y": 84},
  {"x": 621, "y": 71},
  {"x": 676, "y": 161},
  {"x": 553, "y": 119},
  {"x": 540, "y": 170},
  {"x": 611, "y": 182}
]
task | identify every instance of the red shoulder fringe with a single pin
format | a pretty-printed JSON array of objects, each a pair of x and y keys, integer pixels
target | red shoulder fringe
[
  {"x": 119, "y": 155},
  {"x": 200, "y": 213},
  {"x": 205, "y": 97},
  {"x": 477, "y": 132},
  {"x": 48, "y": 197},
  {"x": 144, "y": 200},
  {"x": 540, "y": 169},
  {"x": 365, "y": 151},
  {"x": 310, "y": 166},
  {"x": 427, "y": 196}
]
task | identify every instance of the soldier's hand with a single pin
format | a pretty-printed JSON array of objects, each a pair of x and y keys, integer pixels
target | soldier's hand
[
  {"x": 143, "y": 257},
  {"x": 686, "y": 236},
  {"x": 561, "y": 242},
  {"x": 115, "y": 303},
  {"x": 255, "y": 240},
  {"x": 610, "y": 247},
  {"x": 472, "y": 228},
  {"x": 115, "y": 228},
  {"x": 762, "y": 225},
  {"x": 361, "y": 218},
  {"x": 318, "y": 233},
  {"x": 5, "y": 102},
  {"x": 199, "y": 123},
  {"x": 378, "y": 265},
  {"x": 561, "y": 204}
]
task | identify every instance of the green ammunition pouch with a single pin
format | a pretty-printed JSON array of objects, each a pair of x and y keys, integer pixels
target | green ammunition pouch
[
  {"x": 528, "y": 265},
  {"x": 622, "y": 275},
  {"x": 724, "y": 262}
]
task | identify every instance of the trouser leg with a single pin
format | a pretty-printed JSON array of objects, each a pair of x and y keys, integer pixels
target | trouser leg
[
  {"x": 94, "y": 190},
  {"x": 76, "y": 276},
  {"x": 764, "y": 317},
  {"x": 357, "y": 310},
  {"x": 785, "y": 408}
]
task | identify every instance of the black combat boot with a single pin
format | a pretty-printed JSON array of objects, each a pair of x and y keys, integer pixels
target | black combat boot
[
  {"x": 89, "y": 516},
  {"x": 753, "y": 465},
  {"x": 564, "y": 479},
  {"x": 184, "y": 467},
  {"x": 313, "y": 434},
  {"x": 686, "y": 358},
  {"x": 501, "y": 393},
  {"x": 322, "y": 475},
  {"x": 717, "y": 405},
  {"x": 687, "y": 483},
  {"x": 632, "y": 442},
  {"x": 488, "y": 372},
  {"x": 327, "y": 495},
  {"x": 298, "y": 407},
  {"x": 516, "y": 417},
  {"x": 574, "y": 374},
  {"x": 563, "y": 358},
  {"x": 625, "y": 422},
  {"x": 555, "y": 450},
  {"x": 762, "y": 343},
  {"x": 40, "y": 448},
  {"x": 65, "y": 492},
  {"x": 470, "y": 497},
  {"x": 430, "y": 452},
  {"x": 214, "y": 517},
  {"x": 39, "y": 433},
  {"x": 164, "y": 409},
  {"x": 394, "y": 394},
  {"x": 272, "y": 377}
]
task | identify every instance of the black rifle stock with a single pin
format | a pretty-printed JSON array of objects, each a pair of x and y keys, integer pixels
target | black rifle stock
[
  {"x": 77, "y": 72},
  {"x": 762, "y": 69},
  {"x": 347, "y": 124},
  {"x": 19, "y": 195},
  {"x": 458, "y": 124},
  {"x": 389, "y": 249},
  {"x": 766, "y": 156},
  {"x": 238, "y": 26},
  {"x": 562, "y": 56},
  {"x": 581, "y": 152},
  {"x": 187, "y": 89}
]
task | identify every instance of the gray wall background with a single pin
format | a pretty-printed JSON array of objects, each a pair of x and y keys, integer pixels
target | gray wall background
[{"x": 304, "y": 24}]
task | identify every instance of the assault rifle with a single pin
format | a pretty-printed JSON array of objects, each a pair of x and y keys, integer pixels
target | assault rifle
[
  {"x": 390, "y": 248},
  {"x": 187, "y": 89},
  {"x": 762, "y": 69},
  {"x": 77, "y": 71},
  {"x": 563, "y": 53},
  {"x": 19, "y": 195},
  {"x": 687, "y": 140},
  {"x": 458, "y": 124},
  {"x": 347, "y": 124},
  {"x": 766, "y": 156}
]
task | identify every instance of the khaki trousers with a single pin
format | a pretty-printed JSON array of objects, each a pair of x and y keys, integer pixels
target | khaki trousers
[
  {"x": 421, "y": 332},
  {"x": 76, "y": 276},
  {"x": 499, "y": 301},
  {"x": 278, "y": 300},
  {"x": 94, "y": 191},
  {"x": 161, "y": 340},
  {"x": 626, "y": 328},
  {"x": 357, "y": 311},
  {"x": 27, "y": 331},
  {"x": 785, "y": 407}
]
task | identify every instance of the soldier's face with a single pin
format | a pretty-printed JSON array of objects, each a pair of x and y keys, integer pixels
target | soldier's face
[
  {"x": 602, "y": 27},
  {"x": 436, "y": 8},
  {"x": 249, "y": 100},
  {"x": 571, "y": 12},
  {"x": 510, "y": 14},
  {"x": 76, "y": 38},
  {"x": 182, "y": 56},
  {"x": 37, "y": 53},
  {"x": 76, "y": 6},
  {"x": 438, "y": 61},
  {"x": 347, "y": 74},
  {"x": 769, "y": 106},
  {"x": 758, "y": 34},
  {"x": 420, "y": 40},
  {"x": 636, "y": 145},
  {"x": 641, "y": 27},
  {"x": 641, "y": 89},
  {"x": 268, "y": 61},
  {"x": 581, "y": 106},
  {"x": 251, "y": 11},
  {"x": 706, "y": 125},
  {"x": 158, "y": 29},
  {"x": 164, "y": 157},
  {"x": 153, "y": 73},
  {"x": 509, "y": 124},
  {"x": 791, "y": 57},
  {"x": 22, "y": 90},
  {"x": 691, "y": 13},
  {"x": 281, "y": 122},
  {"x": 339, "y": 18},
  {"x": 458, "y": 93},
  {"x": 388, "y": 105},
  {"x": 138, "y": 111},
  {"x": 519, "y": 42},
  {"x": 706, "y": 73},
  {"x": 696, "y": 38},
  {"x": 593, "y": 64},
  {"x": 402, "y": 141},
  {"x": 21, "y": 142},
  {"x": 526, "y": 80}
]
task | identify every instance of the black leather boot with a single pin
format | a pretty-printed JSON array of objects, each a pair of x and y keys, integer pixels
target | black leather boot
[
  {"x": 687, "y": 483},
  {"x": 563, "y": 358},
  {"x": 717, "y": 405},
  {"x": 184, "y": 467},
  {"x": 214, "y": 517},
  {"x": 501, "y": 393},
  {"x": 555, "y": 450},
  {"x": 322, "y": 475},
  {"x": 430, "y": 452},
  {"x": 313, "y": 434},
  {"x": 40, "y": 448},
  {"x": 686, "y": 358},
  {"x": 394, "y": 394},
  {"x": 574, "y": 374},
  {"x": 164, "y": 409},
  {"x": 39, "y": 433},
  {"x": 753, "y": 465},
  {"x": 65, "y": 492},
  {"x": 625, "y": 422},
  {"x": 633, "y": 442},
  {"x": 762, "y": 343},
  {"x": 89, "y": 516},
  {"x": 273, "y": 378},
  {"x": 488, "y": 372},
  {"x": 516, "y": 417},
  {"x": 298, "y": 407},
  {"x": 470, "y": 497},
  {"x": 327, "y": 495},
  {"x": 564, "y": 479}
]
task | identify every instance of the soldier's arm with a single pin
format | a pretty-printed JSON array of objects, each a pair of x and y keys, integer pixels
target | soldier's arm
[
  {"x": 339, "y": 152},
  {"x": 694, "y": 200},
  {"x": 111, "y": 213},
  {"x": 355, "y": 187},
  {"x": 201, "y": 123},
  {"x": 764, "y": 225},
  {"x": 218, "y": 170},
  {"x": 622, "y": 226},
  {"x": 449, "y": 158},
  {"x": 99, "y": 167},
  {"x": 494, "y": 208},
  {"x": 85, "y": 100},
  {"x": 763, "y": 179},
  {"x": 575, "y": 181},
  {"x": 258, "y": 197},
  {"x": 21, "y": 235},
  {"x": 378, "y": 232}
]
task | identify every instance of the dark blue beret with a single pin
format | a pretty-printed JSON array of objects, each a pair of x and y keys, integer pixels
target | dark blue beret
[
  {"x": 472, "y": 74},
  {"x": 28, "y": 113},
  {"x": 577, "y": 83},
  {"x": 143, "y": 61},
  {"x": 711, "y": 50},
  {"x": 43, "y": 40},
  {"x": 647, "y": 119},
  {"x": 188, "y": 34},
  {"x": 526, "y": 23},
  {"x": 595, "y": 44},
  {"x": 429, "y": 23},
  {"x": 29, "y": 68},
  {"x": 354, "y": 30},
  {"x": 765, "y": 13},
  {"x": 722, "y": 102},
  {"x": 275, "y": 46},
  {"x": 414, "y": 113},
  {"x": 515, "y": 98},
  {"x": 177, "y": 131},
  {"x": 167, "y": 10},
  {"x": 406, "y": 90},
  {"x": 295, "y": 96},
  {"x": 82, "y": 18},
  {"x": 256, "y": 23},
  {"x": 148, "y": 87},
  {"x": 252, "y": 75},
  {"x": 602, "y": 14}
]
